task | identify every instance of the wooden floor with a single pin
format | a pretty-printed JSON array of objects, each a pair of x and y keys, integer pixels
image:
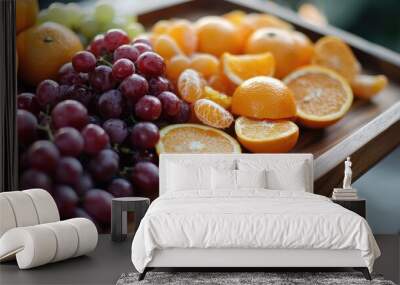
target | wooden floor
[{"x": 110, "y": 260}]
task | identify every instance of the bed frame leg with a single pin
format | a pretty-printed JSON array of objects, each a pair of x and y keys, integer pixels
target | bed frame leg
[
  {"x": 364, "y": 271},
  {"x": 143, "y": 274}
]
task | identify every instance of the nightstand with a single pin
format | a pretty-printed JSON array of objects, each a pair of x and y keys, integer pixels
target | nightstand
[{"x": 358, "y": 206}]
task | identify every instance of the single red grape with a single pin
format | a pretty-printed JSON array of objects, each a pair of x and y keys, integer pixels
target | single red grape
[
  {"x": 33, "y": 178},
  {"x": 150, "y": 64},
  {"x": 83, "y": 185},
  {"x": 120, "y": 187},
  {"x": 142, "y": 47},
  {"x": 143, "y": 40},
  {"x": 171, "y": 104},
  {"x": 79, "y": 93},
  {"x": 68, "y": 76},
  {"x": 69, "y": 170},
  {"x": 182, "y": 116},
  {"x": 111, "y": 104},
  {"x": 104, "y": 165},
  {"x": 134, "y": 87},
  {"x": 97, "y": 204},
  {"x": 84, "y": 61},
  {"x": 69, "y": 141},
  {"x": 98, "y": 46},
  {"x": 69, "y": 113},
  {"x": 43, "y": 155},
  {"x": 148, "y": 108},
  {"x": 144, "y": 155},
  {"x": 66, "y": 200},
  {"x": 101, "y": 79},
  {"x": 26, "y": 127},
  {"x": 116, "y": 130},
  {"x": 144, "y": 135},
  {"x": 158, "y": 84},
  {"x": 145, "y": 179},
  {"x": 95, "y": 139},
  {"x": 28, "y": 101},
  {"x": 122, "y": 68},
  {"x": 126, "y": 51},
  {"x": 47, "y": 93},
  {"x": 115, "y": 38}
]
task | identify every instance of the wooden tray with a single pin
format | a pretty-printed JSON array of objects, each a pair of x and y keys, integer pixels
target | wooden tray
[{"x": 368, "y": 132}]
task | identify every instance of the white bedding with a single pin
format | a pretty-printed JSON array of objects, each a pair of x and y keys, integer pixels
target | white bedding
[{"x": 250, "y": 219}]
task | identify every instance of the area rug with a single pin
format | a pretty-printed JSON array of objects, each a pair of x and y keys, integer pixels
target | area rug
[{"x": 243, "y": 278}]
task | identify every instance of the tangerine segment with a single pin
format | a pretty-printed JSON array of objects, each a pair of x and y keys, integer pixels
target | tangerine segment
[
  {"x": 220, "y": 98},
  {"x": 166, "y": 46},
  {"x": 235, "y": 16},
  {"x": 290, "y": 49},
  {"x": 366, "y": 86},
  {"x": 206, "y": 64},
  {"x": 217, "y": 35},
  {"x": 333, "y": 53},
  {"x": 190, "y": 85},
  {"x": 183, "y": 32},
  {"x": 194, "y": 138},
  {"x": 239, "y": 68},
  {"x": 322, "y": 96},
  {"x": 176, "y": 65},
  {"x": 264, "y": 97},
  {"x": 212, "y": 114},
  {"x": 265, "y": 135}
]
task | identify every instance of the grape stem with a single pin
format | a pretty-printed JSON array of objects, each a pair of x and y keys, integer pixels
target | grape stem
[
  {"x": 126, "y": 150},
  {"x": 47, "y": 129},
  {"x": 105, "y": 61},
  {"x": 125, "y": 170}
]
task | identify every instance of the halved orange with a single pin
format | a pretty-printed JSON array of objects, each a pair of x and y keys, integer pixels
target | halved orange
[
  {"x": 366, "y": 86},
  {"x": 263, "y": 97},
  {"x": 334, "y": 53},
  {"x": 212, "y": 114},
  {"x": 190, "y": 85},
  {"x": 239, "y": 68},
  {"x": 322, "y": 96},
  {"x": 194, "y": 138},
  {"x": 266, "y": 135},
  {"x": 218, "y": 97}
]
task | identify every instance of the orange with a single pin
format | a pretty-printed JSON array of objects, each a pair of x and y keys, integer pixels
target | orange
[
  {"x": 235, "y": 17},
  {"x": 238, "y": 68},
  {"x": 166, "y": 46},
  {"x": 322, "y": 96},
  {"x": 194, "y": 138},
  {"x": 256, "y": 21},
  {"x": 160, "y": 27},
  {"x": 190, "y": 85},
  {"x": 263, "y": 97},
  {"x": 217, "y": 35},
  {"x": 220, "y": 98},
  {"x": 265, "y": 135},
  {"x": 43, "y": 49},
  {"x": 212, "y": 114},
  {"x": 183, "y": 32},
  {"x": 366, "y": 86},
  {"x": 26, "y": 14},
  {"x": 290, "y": 49},
  {"x": 206, "y": 64},
  {"x": 176, "y": 65},
  {"x": 333, "y": 53}
]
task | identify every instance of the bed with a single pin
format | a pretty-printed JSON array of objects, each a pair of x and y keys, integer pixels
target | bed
[{"x": 246, "y": 211}]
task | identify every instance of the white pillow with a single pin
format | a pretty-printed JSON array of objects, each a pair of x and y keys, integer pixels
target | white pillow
[
  {"x": 251, "y": 178},
  {"x": 223, "y": 179},
  {"x": 182, "y": 178}
]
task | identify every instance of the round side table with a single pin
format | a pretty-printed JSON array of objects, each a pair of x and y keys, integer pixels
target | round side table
[{"x": 120, "y": 208}]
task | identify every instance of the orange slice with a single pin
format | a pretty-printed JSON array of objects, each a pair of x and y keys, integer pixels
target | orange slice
[
  {"x": 322, "y": 96},
  {"x": 366, "y": 86},
  {"x": 263, "y": 97},
  {"x": 239, "y": 68},
  {"x": 333, "y": 53},
  {"x": 266, "y": 135},
  {"x": 166, "y": 46},
  {"x": 212, "y": 114},
  {"x": 190, "y": 85},
  {"x": 194, "y": 138},
  {"x": 218, "y": 97}
]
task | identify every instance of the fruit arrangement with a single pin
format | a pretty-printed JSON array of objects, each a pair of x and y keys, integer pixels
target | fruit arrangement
[{"x": 98, "y": 118}]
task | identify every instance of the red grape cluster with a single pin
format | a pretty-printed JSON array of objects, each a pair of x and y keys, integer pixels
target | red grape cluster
[{"x": 90, "y": 135}]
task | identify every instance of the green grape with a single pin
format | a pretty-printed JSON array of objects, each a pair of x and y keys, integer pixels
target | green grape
[
  {"x": 89, "y": 27},
  {"x": 116, "y": 23},
  {"x": 131, "y": 18},
  {"x": 58, "y": 13},
  {"x": 75, "y": 14},
  {"x": 43, "y": 16},
  {"x": 104, "y": 13},
  {"x": 134, "y": 29}
]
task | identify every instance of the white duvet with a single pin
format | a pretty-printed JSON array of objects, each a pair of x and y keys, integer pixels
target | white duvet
[{"x": 250, "y": 219}]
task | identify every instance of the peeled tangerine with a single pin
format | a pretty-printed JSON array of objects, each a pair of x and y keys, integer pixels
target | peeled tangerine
[
  {"x": 212, "y": 114},
  {"x": 190, "y": 85},
  {"x": 263, "y": 97}
]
